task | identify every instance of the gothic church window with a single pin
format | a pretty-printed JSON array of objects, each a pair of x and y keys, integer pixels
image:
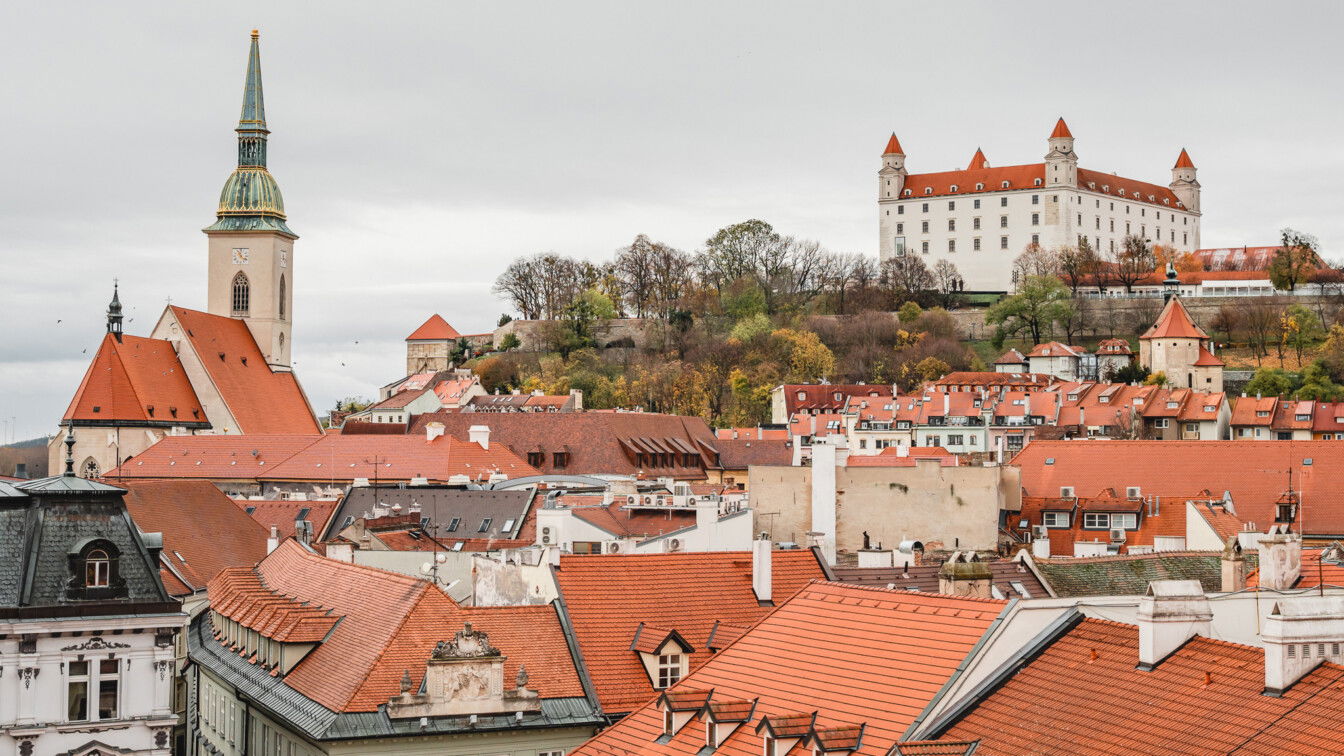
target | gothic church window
[
  {"x": 282, "y": 297},
  {"x": 242, "y": 294},
  {"x": 90, "y": 468}
]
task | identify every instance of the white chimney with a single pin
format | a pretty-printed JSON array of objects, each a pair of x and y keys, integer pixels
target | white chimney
[
  {"x": 1280, "y": 558},
  {"x": 823, "y": 496},
  {"x": 479, "y": 434},
  {"x": 1040, "y": 548},
  {"x": 1300, "y": 633},
  {"x": 433, "y": 431},
  {"x": 273, "y": 541},
  {"x": 761, "y": 571},
  {"x": 1171, "y": 613}
]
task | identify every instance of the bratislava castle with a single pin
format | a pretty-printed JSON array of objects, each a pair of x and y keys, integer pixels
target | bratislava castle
[{"x": 983, "y": 217}]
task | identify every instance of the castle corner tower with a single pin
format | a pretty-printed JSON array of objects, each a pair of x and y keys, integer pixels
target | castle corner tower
[{"x": 251, "y": 275}]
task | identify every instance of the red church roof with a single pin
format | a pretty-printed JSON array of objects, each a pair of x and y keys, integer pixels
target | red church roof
[
  {"x": 1175, "y": 323},
  {"x": 262, "y": 401},
  {"x": 893, "y": 146},
  {"x": 135, "y": 380},
  {"x": 1061, "y": 130},
  {"x": 434, "y": 329}
]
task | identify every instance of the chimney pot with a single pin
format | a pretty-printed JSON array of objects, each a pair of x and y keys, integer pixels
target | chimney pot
[
  {"x": 762, "y": 572},
  {"x": 1171, "y": 613},
  {"x": 479, "y": 434}
]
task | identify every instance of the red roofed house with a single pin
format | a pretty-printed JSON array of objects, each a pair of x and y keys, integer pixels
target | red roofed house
[
  {"x": 644, "y": 621},
  {"x": 430, "y": 347},
  {"x": 1069, "y": 363},
  {"x": 789, "y": 400},
  {"x": 838, "y": 669},
  {"x": 313, "y": 655},
  {"x": 981, "y": 217},
  {"x": 223, "y": 371},
  {"x": 1177, "y": 347}
]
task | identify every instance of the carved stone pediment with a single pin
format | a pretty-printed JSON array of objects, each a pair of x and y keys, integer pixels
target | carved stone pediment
[
  {"x": 464, "y": 676},
  {"x": 467, "y": 644}
]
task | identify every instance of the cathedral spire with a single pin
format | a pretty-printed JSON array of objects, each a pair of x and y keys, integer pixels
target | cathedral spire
[
  {"x": 114, "y": 313},
  {"x": 251, "y": 199}
]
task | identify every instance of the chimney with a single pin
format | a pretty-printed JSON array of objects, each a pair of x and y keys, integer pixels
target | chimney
[
  {"x": 433, "y": 431},
  {"x": 479, "y": 434},
  {"x": 761, "y": 571},
  {"x": 1300, "y": 633},
  {"x": 273, "y": 541},
  {"x": 1234, "y": 566},
  {"x": 963, "y": 574},
  {"x": 1171, "y": 613},
  {"x": 1280, "y": 558},
  {"x": 824, "y": 454}
]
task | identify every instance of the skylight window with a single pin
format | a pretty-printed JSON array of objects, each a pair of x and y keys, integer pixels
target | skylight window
[{"x": 485, "y": 525}]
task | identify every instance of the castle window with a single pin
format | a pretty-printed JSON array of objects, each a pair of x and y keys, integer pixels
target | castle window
[
  {"x": 951, "y": 224},
  {"x": 975, "y": 244},
  {"x": 282, "y": 297},
  {"x": 975, "y": 223},
  {"x": 1004, "y": 185},
  {"x": 924, "y": 247},
  {"x": 900, "y": 228},
  {"x": 925, "y": 226},
  {"x": 1037, "y": 182},
  {"x": 900, "y": 209},
  {"x": 1035, "y": 219},
  {"x": 928, "y": 190},
  {"x": 1003, "y": 221},
  {"x": 979, "y": 188},
  {"x": 908, "y": 192},
  {"x": 951, "y": 245},
  {"x": 1035, "y": 239},
  {"x": 924, "y": 207},
  {"x": 1003, "y": 242},
  {"x": 242, "y": 294},
  {"x": 1035, "y": 199}
]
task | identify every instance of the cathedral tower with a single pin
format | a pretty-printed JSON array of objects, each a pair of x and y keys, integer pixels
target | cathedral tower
[
  {"x": 1183, "y": 182},
  {"x": 1061, "y": 162},
  {"x": 251, "y": 248}
]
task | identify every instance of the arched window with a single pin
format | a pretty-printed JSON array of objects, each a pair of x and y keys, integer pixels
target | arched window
[
  {"x": 242, "y": 294},
  {"x": 90, "y": 468},
  {"x": 97, "y": 569},
  {"x": 282, "y": 298}
]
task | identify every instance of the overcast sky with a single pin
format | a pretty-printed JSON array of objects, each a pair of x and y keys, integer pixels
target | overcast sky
[{"x": 420, "y": 147}]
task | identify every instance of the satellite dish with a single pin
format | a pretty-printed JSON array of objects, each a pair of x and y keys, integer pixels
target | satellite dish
[
  {"x": 440, "y": 558},
  {"x": 426, "y": 568}
]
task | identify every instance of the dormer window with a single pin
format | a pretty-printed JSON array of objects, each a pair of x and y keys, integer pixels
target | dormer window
[
  {"x": 1004, "y": 185},
  {"x": 97, "y": 569},
  {"x": 928, "y": 190},
  {"x": 954, "y": 187},
  {"x": 908, "y": 192},
  {"x": 671, "y": 668}
]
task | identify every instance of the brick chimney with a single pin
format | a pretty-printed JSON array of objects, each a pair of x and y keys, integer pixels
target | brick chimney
[
  {"x": 1280, "y": 558},
  {"x": 1300, "y": 633},
  {"x": 963, "y": 574},
  {"x": 1171, "y": 613},
  {"x": 479, "y": 434}
]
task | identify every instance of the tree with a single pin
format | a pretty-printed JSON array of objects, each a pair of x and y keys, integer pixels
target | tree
[
  {"x": 947, "y": 281},
  {"x": 906, "y": 278},
  {"x": 807, "y": 358},
  {"x": 1040, "y": 302},
  {"x": 1301, "y": 329},
  {"x": 1260, "y": 320},
  {"x": 504, "y": 319},
  {"x": 1295, "y": 260},
  {"x": 1077, "y": 264},
  {"x": 1131, "y": 373},
  {"x": 1035, "y": 261},
  {"x": 1227, "y": 320},
  {"x": 1271, "y": 382},
  {"x": 1332, "y": 352},
  {"x": 1316, "y": 384},
  {"x": 509, "y": 342},
  {"x": 1133, "y": 261},
  {"x": 909, "y": 312}
]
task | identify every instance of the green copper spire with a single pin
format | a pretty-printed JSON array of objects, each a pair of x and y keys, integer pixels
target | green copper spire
[{"x": 251, "y": 199}]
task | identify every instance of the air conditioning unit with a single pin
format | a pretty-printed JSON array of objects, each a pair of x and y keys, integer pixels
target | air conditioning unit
[
  {"x": 674, "y": 544},
  {"x": 614, "y": 547},
  {"x": 1040, "y": 531},
  {"x": 546, "y": 535},
  {"x": 1066, "y": 492},
  {"x": 1117, "y": 535},
  {"x": 1133, "y": 492},
  {"x": 631, "y": 500}
]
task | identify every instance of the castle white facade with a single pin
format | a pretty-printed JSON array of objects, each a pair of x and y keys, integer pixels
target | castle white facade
[{"x": 982, "y": 218}]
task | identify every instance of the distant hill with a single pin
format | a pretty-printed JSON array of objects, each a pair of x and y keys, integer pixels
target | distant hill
[{"x": 28, "y": 444}]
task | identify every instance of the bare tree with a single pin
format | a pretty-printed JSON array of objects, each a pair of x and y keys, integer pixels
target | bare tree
[
  {"x": 947, "y": 280},
  {"x": 1035, "y": 260},
  {"x": 1077, "y": 265},
  {"x": 635, "y": 271},
  {"x": 1133, "y": 261},
  {"x": 1261, "y": 322},
  {"x": 520, "y": 284},
  {"x": 906, "y": 277}
]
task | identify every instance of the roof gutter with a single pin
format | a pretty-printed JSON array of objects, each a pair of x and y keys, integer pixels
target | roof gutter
[
  {"x": 575, "y": 651},
  {"x": 961, "y": 667}
]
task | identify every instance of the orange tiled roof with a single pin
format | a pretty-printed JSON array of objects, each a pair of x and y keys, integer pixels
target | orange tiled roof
[
  {"x": 858, "y": 656},
  {"x": 388, "y": 624},
  {"x": 633, "y": 523},
  {"x": 1011, "y": 357},
  {"x": 1061, "y": 130},
  {"x": 1084, "y": 694},
  {"x": 282, "y": 513},
  {"x": 1207, "y": 359},
  {"x": 828, "y": 397},
  {"x": 1255, "y": 472},
  {"x": 893, "y": 146},
  {"x": 203, "y": 532},
  {"x": 212, "y": 457},
  {"x": 434, "y": 329},
  {"x": 136, "y": 380},
  {"x": 1055, "y": 349},
  {"x": 1130, "y": 189},
  {"x": 1315, "y": 571},
  {"x": 608, "y": 595},
  {"x": 891, "y": 457},
  {"x": 978, "y": 161},
  {"x": 262, "y": 401},
  {"x": 1183, "y": 160},
  {"x": 1174, "y": 323},
  {"x": 1246, "y": 409}
]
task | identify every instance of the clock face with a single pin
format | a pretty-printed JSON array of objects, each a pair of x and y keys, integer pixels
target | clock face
[{"x": 240, "y": 256}]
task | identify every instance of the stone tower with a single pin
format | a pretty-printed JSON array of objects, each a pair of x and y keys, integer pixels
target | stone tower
[
  {"x": 1061, "y": 162},
  {"x": 251, "y": 248},
  {"x": 1183, "y": 182},
  {"x": 890, "y": 184}
]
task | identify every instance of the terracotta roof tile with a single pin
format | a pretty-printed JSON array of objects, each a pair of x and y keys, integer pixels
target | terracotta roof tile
[
  {"x": 135, "y": 380},
  {"x": 1183, "y": 160},
  {"x": 893, "y": 146},
  {"x": 434, "y": 329},
  {"x": 1061, "y": 130},
  {"x": 1174, "y": 322},
  {"x": 282, "y": 513},
  {"x": 212, "y": 457},
  {"x": 978, "y": 161},
  {"x": 859, "y": 657},
  {"x": 607, "y": 596}
]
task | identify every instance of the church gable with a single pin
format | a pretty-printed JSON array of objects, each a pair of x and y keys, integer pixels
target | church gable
[{"x": 137, "y": 381}]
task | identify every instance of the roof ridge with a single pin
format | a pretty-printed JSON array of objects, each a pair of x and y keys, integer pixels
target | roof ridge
[{"x": 921, "y": 595}]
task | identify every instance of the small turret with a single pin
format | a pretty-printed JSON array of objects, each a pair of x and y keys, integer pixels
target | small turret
[
  {"x": 978, "y": 161},
  {"x": 1183, "y": 182},
  {"x": 1171, "y": 285},
  {"x": 114, "y": 314},
  {"x": 891, "y": 179},
  {"x": 1061, "y": 162}
]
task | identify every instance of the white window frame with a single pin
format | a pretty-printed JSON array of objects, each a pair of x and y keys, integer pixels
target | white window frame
[
  {"x": 669, "y": 669},
  {"x": 1055, "y": 519},
  {"x": 1096, "y": 520}
]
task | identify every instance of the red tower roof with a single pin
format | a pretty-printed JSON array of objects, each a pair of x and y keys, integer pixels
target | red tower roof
[
  {"x": 1061, "y": 130},
  {"x": 1184, "y": 160},
  {"x": 1175, "y": 323},
  {"x": 434, "y": 329},
  {"x": 893, "y": 146},
  {"x": 978, "y": 161}
]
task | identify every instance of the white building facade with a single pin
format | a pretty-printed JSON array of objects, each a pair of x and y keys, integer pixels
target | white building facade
[{"x": 982, "y": 218}]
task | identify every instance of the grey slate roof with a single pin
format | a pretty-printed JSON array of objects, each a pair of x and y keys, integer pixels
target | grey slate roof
[
  {"x": 316, "y": 721},
  {"x": 55, "y": 517},
  {"x": 441, "y": 504},
  {"x": 924, "y": 578},
  {"x": 1129, "y": 575}
]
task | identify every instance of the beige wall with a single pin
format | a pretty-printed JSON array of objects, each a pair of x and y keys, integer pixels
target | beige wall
[
  {"x": 957, "y": 506},
  {"x": 269, "y": 257},
  {"x": 106, "y": 446}
]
